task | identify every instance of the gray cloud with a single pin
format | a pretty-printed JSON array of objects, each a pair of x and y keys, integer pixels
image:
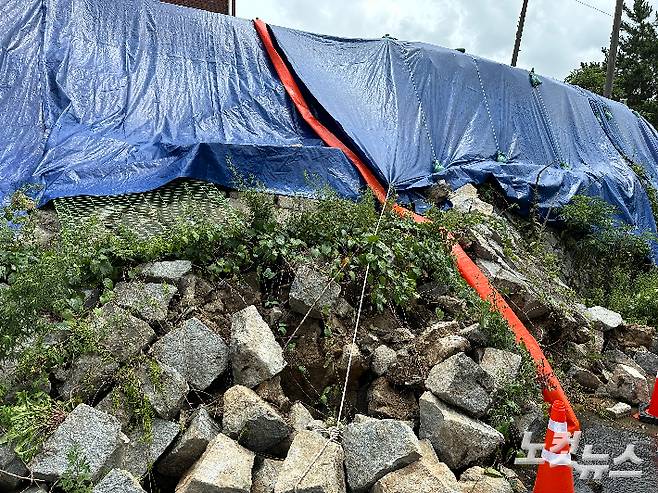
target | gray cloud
[{"x": 559, "y": 34}]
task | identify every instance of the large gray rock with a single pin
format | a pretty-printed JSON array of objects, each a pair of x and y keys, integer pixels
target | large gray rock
[
  {"x": 629, "y": 385},
  {"x": 463, "y": 383},
  {"x": 10, "y": 463},
  {"x": 163, "y": 386},
  {"x": 143, "y": 452},
  {"x": 383, "y": 358},
  {"x": 386, "y": 401},
  {"x": 477, "y": 480},
  {"x": 327, "y": 474},
  {"x": 503, "y": 366},
  {"x": 87, "y": 375},
  {"x": 122, "y": 335},
  {"x": 585, "y": 377},
  {"x": 195, "y": 351},
  {"x": 118, "y": 481},
  {"x": 255, "y": 354},
  {"x": 95, "y": 434},
  {"x": 300, "y": 417},
  {"x": 648, "y": 361},
  {"x": 170, "y": 272},
  {"x": 427, "y": 475},
  {"x": 148, "y": 301},
  {"x": 313, "y": 291},
  {"x": 252, "y": 421},
  {"x": 190, "y": 445},
  {"x": 374, "y": 448},
  {"x": 603, "y": 318},
  {"x": 167, "y": 392},
  {"x": 435, "y": 346},
  {"x": 225, "y": 467},
  {"x": 265, "y": 474},
  {"x": 459, "y": 440}
]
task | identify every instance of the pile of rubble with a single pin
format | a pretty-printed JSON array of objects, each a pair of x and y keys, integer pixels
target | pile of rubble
[{"x": 223, "y": 422}]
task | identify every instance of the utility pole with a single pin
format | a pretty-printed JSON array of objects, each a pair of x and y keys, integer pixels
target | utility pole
[
  {"x": 519, "y": 33},
  {"x": 614, "y": 46},
  {"x": 233, "y": 8}
]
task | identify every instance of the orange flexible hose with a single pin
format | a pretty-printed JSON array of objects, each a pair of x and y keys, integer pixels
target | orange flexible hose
[{"x": 552, "y": 390}]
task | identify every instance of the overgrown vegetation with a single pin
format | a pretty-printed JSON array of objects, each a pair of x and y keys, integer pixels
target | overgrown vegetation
[
  {"x": 47, "y": 325},
  {"x": 613, "y": 259}
]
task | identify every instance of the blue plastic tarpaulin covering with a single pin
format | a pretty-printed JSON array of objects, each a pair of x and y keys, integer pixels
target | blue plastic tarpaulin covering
[
  {"x": 419, "y": 113},
  {"x": 105, "y": 98}
]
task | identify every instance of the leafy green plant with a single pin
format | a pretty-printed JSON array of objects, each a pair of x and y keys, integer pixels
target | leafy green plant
[
  {"x": 29, "y": 422},
  {"x": 77, "y": 477}
]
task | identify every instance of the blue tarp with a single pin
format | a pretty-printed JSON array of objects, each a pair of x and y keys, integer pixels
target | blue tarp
[
  {"x": 104, "y": 98},
  {"x": 419, "y": 113}
]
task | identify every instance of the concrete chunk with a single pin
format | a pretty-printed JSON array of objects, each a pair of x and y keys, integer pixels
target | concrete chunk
[{"x": 265, "y": 474}]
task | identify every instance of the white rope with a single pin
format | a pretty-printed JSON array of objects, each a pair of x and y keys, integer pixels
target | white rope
[{"x": 334, "y": 432}]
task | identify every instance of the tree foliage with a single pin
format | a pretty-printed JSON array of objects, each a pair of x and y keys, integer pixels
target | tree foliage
[{"x": 636, "y": 81}]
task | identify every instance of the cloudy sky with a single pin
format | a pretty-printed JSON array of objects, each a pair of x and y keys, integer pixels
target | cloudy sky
[{"x": 559, "y": 34}]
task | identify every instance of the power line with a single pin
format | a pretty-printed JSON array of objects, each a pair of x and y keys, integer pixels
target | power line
[{"x": 593, "y": 7}]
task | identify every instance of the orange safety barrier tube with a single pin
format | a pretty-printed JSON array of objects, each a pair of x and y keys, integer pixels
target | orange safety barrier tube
[{"x": 470, "y": 272}]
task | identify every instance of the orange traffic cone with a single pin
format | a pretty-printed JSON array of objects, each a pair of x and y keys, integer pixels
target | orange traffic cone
[
  {"x": 649, "y": 414},
  {"x": 555, "y": 474}
]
